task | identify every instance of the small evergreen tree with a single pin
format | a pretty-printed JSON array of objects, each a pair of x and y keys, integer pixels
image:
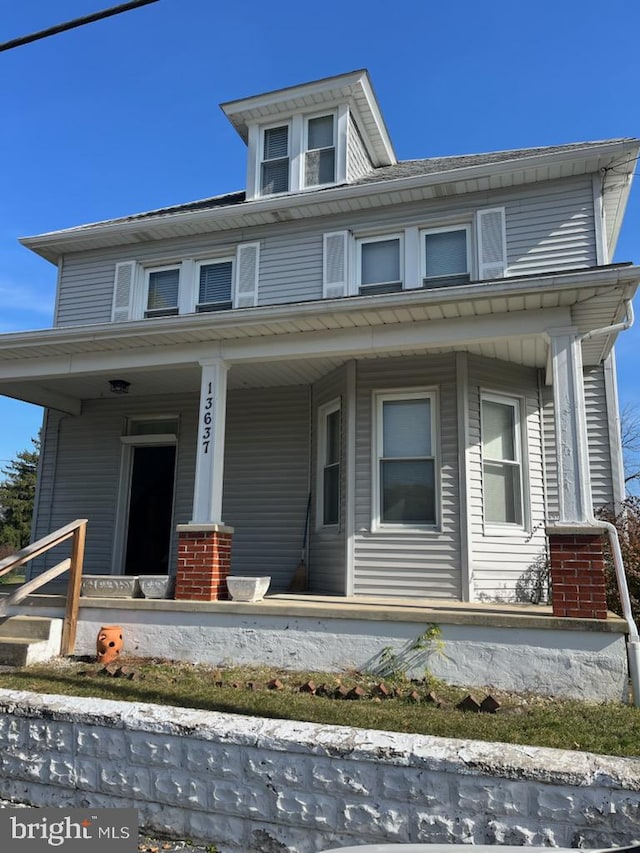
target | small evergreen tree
[{"x": 17, "y": 493}]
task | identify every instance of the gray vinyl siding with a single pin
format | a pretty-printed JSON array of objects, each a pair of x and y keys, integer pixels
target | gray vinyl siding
[
  {"x": 549, "y": 226},
  {"x": 403, "y": 563},
  {"x": 290, "y": 268},
  {"x": 598, "y": 436},
  {"x": 82, "y": 465},
  {"x": 550, "y": 462},
  {"x": 266, "y": 480},
  {"x": 552, "y": 227},
  {"x": 500, "y": 562},
  {"x": 358, "y": 162},
  {"x": 327, "y": 558}
]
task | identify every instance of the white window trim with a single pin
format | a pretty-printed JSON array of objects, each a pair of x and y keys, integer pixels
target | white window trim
[
  {"x": 305, "y": 149},
  {"x": 291, "y": 152},
  {"x": 323, "y": 413},
  {"x": 445, "y": 229},
  {"x": 492, "y": 528},
  {"x": 379, "y": 398},
  {"x": 147, "y": 280},
  {"x": 378, "y": 238},
  {"x": 196, "y": 280}
]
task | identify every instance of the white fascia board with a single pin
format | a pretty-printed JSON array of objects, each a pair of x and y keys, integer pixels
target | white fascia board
[
  {"x": 45, "y": 397},
  {"x": 286, "y": 99},
  {"x": 621, "y": 182},
  {"x": 146, "y": 331},
  {"x": 71, "y": 239}
]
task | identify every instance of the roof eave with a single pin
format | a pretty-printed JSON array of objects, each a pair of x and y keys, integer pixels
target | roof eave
[
  {"x": 52, "y": 245},
  {"x": 625, "y": 276}
]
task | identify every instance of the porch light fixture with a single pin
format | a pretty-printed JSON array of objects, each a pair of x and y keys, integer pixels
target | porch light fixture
[{"x": 119, "y": 386}]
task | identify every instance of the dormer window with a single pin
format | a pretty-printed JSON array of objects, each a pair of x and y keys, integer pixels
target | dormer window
[
  {"x": 320, "y": 151},
  {"x": 275, "y": 160}
]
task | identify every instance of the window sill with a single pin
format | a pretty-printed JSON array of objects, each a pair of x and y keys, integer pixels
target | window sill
[
  {"x": 418, "y": 529},
  {"x": 504, "y": 531}
]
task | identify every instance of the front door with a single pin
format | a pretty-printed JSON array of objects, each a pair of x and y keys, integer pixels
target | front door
[{"x": 150, "y": 510}]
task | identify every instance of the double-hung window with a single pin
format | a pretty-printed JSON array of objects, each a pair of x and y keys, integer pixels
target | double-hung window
[
  {"x": 445, "y": 256},
  {"x": 405, "y": 459},
  {"x": 380, "y": 264},
  {"x": 329, "y": 456},
  {"x": 320, "y": 151},
  {"x": 215, "y": 282},
  {"x": 501, "y": 460},
  {"x": 274, "y": 168},
  {"x": 163, "y": 285}
]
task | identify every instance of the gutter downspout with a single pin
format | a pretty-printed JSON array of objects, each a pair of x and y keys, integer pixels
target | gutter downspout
[{"x": 633, "y": 649}]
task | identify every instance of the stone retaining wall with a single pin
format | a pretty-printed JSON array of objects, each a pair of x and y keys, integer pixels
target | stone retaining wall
[{"x": 264, "y": 786}]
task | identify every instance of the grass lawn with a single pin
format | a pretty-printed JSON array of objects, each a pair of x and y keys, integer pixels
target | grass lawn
[{"x": 426, "y": 707}]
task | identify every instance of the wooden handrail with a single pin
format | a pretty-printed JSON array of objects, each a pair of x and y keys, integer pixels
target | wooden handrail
[{"x": 78, "y": 530}]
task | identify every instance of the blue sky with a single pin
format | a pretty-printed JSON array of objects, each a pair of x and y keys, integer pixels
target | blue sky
[{"x": 122, "y": 115}]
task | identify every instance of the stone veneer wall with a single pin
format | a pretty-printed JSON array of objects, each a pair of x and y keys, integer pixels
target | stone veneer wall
[{"x": 265, "y": 786}]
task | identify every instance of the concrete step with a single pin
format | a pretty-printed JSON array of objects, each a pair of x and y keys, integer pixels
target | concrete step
[
  {"x": 29, "y": 627},
  {"x": 29, "y": 639}
]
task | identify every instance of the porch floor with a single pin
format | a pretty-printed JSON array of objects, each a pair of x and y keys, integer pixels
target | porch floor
[{"x": 360, "y": 607}]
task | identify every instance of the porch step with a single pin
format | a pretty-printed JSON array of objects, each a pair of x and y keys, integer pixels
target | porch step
[{"x": 29, "y": 639}]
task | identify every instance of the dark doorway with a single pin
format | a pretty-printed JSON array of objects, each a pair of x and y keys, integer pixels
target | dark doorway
[{"x": 150, "y": 511}]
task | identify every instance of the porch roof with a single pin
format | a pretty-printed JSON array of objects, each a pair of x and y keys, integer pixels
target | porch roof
[{"x": 286, "y": 344}]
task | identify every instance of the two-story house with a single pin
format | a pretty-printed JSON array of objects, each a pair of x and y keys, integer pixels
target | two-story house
[{"x": 416, "y": 356}]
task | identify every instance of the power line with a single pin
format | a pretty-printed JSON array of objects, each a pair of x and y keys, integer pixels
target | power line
[{"x": 77, "y": 22}]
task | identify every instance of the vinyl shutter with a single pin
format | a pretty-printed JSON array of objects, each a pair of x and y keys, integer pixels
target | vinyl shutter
[
  {"x": 334, "y": 265},
  {"x": 123, "y": 287},
  {"x": 246, "y": 285},
  {"x": 492, "y": 249}
]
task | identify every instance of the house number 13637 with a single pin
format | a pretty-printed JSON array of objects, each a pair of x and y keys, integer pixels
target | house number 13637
[{"x": 207, "y": 418}]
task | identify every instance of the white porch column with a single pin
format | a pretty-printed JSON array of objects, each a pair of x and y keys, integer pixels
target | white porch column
[
  {"x": 572, "y": 449},
  {"x": 207, "y": 491}
]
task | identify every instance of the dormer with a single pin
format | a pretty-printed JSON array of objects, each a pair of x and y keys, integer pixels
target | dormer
[{"x": 308, "y": 137}]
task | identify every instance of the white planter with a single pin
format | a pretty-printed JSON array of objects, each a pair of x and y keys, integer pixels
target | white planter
[
  {"x": 247, "y": 589},
  {"x": 110, "y": 586},
  {"x": 156, "y": 586}
]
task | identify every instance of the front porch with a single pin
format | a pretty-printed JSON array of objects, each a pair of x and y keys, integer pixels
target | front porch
[{"x": 514, "y": 647}]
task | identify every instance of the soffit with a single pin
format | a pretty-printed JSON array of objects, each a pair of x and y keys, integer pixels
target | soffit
[
  {"x": 596, "y": 298},
  {"x": 353, "y": 88}
]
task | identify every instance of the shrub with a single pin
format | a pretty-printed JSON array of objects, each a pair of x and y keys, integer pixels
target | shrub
[{"x": 627, "y": 523}]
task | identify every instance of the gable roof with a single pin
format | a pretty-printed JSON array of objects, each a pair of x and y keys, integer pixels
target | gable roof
[{"x": 613, "y": 158}]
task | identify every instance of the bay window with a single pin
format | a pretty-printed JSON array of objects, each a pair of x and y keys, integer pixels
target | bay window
[
  {"x": 405, "y": 459},
  {"x": 329, "y": 460},
  {"x": 501, "y": 460}
]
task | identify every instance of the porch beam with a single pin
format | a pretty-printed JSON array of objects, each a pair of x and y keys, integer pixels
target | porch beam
[
  {"x": 43, "y": 397},
  {"x": 391, "y": 337},
  {"x": 207, "y": 492},
  {"x": 572, "y": 450}
]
